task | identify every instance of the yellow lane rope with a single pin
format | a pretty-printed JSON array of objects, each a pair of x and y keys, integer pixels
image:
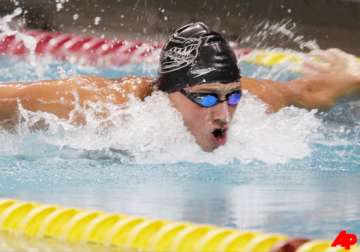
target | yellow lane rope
[
  {"x": 272, "y": 58},
  {"x": 120, "y": 232}
]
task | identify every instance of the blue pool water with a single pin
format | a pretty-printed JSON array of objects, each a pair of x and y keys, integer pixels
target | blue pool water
[{"x": 294, "y": 172}]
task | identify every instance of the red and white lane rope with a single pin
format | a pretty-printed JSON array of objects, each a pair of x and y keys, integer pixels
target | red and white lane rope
[{"x": 85, "y": 49}]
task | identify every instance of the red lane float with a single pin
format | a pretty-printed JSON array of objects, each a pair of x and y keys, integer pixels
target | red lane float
[{"x": 85, "y": 49}]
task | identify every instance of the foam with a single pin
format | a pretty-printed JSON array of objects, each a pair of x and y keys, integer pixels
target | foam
[{"x": 153, "y": 132}]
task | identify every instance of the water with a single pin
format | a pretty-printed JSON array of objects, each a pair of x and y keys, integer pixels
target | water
[{"x": 295, "y": 172}]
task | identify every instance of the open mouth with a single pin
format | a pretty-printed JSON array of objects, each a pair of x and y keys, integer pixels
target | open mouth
[{"x": 220, "y": 135}]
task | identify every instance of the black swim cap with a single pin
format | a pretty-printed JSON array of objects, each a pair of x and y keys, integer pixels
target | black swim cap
[{"x": 195, "y": 55}]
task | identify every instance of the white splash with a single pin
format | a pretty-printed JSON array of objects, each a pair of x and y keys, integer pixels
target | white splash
[
  {"x": 6, "y": 20},
  {"x": 271, "y": 138},
  {"x": 29, "y": 41},
  {"x": 153, "y": 132},
  {"x": 266, "y": 34}
]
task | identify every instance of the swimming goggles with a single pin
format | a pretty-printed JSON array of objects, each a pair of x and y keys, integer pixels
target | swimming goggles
[{"x": 208, "y": 100}]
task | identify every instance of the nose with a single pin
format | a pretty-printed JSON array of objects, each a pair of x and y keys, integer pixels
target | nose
[{"x": 221, "y": 114}]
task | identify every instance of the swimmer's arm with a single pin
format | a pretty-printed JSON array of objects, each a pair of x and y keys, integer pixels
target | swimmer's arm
[
  {"x": 60, "y": 97},
  {"x": 8, "y": 103},
  {"x": 54, "y": 97},
  {"x": 318, "y": 92},
  {"x": 323, "y": 83},
  {"x": 323, "y": 91}
]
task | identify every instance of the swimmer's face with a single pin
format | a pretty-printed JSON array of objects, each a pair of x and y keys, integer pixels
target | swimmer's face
[{"x": 208, "y": 125}]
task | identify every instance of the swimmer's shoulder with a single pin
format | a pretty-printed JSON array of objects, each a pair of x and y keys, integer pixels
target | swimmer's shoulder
[
  {"x": 116, "y": 89},
  {"x": 141, "y": 87},
  {"x": 274, "y": 94},
  {"x": 255, "y": 86},
  {"x": 138, "y": 86}
]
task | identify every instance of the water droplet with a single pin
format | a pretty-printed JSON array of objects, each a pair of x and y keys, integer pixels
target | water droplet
[
  {"x": 59, "y": 6},
  {"x": 97, "y": 20}
]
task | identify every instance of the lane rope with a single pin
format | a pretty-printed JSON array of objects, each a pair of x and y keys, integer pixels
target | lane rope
[{"x": 133, "y": 233}]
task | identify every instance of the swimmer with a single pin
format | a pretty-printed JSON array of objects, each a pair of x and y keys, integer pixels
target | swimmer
[{"x": 199, "y": 73}]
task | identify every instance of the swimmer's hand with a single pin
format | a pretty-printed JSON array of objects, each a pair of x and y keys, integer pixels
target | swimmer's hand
[
  {"x": 330, "y": 61},
  {"x": 330, "y": 76}
]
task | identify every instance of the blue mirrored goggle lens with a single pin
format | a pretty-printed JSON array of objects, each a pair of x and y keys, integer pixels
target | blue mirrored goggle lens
[
  {"x": 234, "y": 98},
  {"x": 208, "y": 100}
]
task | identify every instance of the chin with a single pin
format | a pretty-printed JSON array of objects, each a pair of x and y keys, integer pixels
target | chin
[
  {"x": 209, "y": 148},
  {"x": 206, "y": 143}
]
